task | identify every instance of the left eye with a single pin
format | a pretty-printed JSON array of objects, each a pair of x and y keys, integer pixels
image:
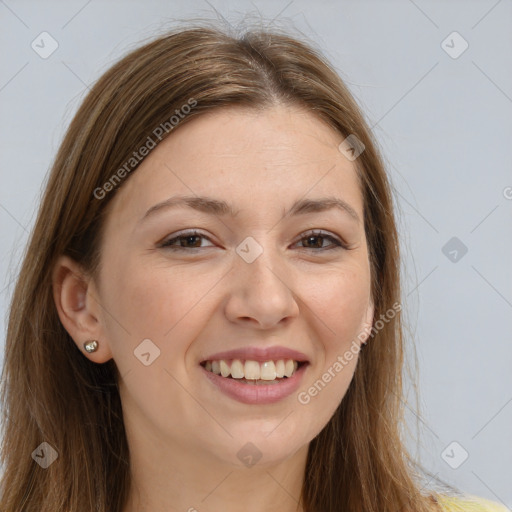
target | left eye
[{"x": 316, "y": 239}]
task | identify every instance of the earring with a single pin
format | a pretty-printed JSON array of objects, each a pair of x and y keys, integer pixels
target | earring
[{"x": 91, "y": 346}]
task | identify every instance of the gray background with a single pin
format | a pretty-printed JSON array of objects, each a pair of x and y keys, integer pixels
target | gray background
[{"x": 445, "y": 127}]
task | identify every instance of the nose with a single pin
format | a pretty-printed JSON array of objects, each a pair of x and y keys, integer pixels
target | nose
[{"x": 261, "y": 294}]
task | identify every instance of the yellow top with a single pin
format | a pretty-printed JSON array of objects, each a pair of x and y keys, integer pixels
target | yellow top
[{"x": 470, "y": 503}]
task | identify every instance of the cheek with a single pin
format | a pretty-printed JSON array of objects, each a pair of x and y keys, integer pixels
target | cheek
[
  {"x": 340, "y": 302},
  {"x": 339, "y": 305},
  {"x": 162, "y": 303},
  {"x": 169, "y": 307},
  {"x": 147, "y": 297}
]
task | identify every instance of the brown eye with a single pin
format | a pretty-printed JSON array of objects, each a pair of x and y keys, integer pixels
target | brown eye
[
  {"x": 316, "y": 240},
  {"x": 190, "y": 240}
]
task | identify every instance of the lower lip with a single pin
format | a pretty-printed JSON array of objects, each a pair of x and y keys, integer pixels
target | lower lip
[{"x": 257, "y": 394}]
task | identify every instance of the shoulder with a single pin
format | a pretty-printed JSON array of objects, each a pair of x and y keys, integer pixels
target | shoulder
[{"x": 469, "y": 503}]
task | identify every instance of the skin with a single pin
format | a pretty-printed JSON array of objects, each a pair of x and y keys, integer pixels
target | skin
[{"x": 309, "y": 295}]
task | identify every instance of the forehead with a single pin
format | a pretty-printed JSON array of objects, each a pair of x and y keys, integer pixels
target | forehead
[{"x": 247, "y": 157}]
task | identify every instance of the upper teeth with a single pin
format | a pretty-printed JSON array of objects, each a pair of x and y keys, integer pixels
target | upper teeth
[{"x": 253, "y": 370}]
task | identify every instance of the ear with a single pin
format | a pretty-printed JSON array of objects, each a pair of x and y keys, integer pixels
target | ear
[
  {"x": 368, "y": 322},
  {"x": 78, "y": 307}
]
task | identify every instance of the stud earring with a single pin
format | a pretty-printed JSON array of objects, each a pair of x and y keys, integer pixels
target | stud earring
[{"x": 91, "y": 346}]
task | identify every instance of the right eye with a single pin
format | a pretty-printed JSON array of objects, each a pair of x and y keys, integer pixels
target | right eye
[{"x": 186, "y": 240}]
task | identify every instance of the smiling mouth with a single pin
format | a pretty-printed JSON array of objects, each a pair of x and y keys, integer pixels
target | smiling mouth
[{"x": 254, "y": 372}]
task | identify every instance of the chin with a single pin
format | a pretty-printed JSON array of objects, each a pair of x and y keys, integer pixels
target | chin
[{"x": 253, "y": 445}]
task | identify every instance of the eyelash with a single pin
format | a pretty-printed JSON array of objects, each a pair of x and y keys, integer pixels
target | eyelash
[{"x": 336, "y": 244}]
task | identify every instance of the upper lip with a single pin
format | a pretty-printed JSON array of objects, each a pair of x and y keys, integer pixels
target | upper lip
[{"x": 259, "y": 354}]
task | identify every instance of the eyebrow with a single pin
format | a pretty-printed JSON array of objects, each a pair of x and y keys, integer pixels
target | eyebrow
[{"x": 222, "y": 208}]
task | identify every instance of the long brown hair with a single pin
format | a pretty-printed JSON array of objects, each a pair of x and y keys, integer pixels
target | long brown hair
[{"x": 52, "y": 393}]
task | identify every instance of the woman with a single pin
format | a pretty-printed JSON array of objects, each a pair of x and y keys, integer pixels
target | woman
[{"x": 208, "y": 313}]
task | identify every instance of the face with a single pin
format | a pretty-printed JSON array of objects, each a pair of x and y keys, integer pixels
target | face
[{"x": 259, "y": 279}]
